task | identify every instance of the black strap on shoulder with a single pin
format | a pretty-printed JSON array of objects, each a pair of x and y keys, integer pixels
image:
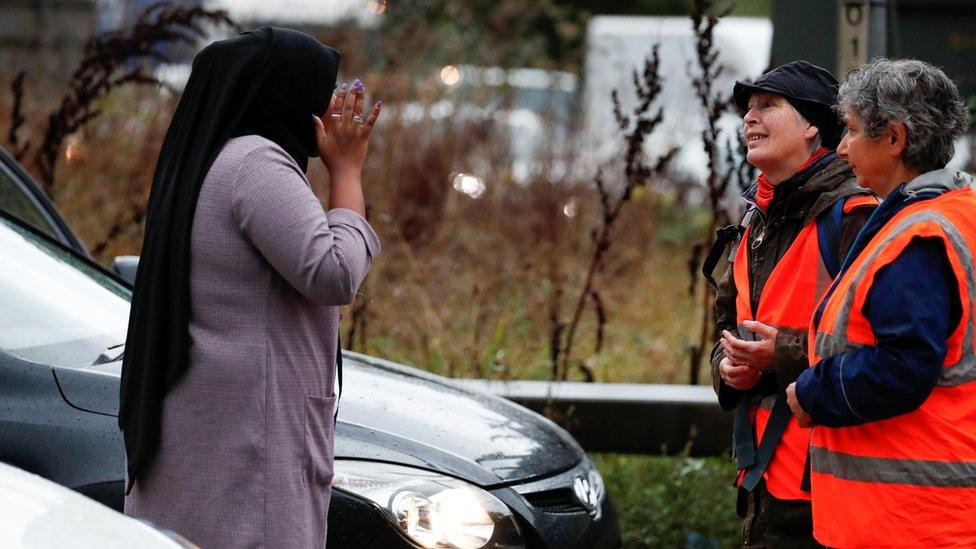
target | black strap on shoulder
[
  {"x": 723, "y": 237},
  {"x": 779, "y": 418},
  {"x": 829, "y": 226},
  {"x": 729, "y": 234}
]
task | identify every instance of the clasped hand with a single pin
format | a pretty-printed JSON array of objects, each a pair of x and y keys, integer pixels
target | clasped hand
[{"x": 745, "y": 361}]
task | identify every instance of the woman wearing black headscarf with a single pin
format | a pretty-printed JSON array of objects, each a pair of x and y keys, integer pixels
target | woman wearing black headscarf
[{"x": 228, "y": 380}]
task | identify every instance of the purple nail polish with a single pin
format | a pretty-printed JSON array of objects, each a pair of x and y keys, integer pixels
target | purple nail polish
[
  {"x": 343, "y": 87},
  {"x": 379, "y": 104},
  {"x": 357, "y": 82},
  {"x": 359, "y": 86}
]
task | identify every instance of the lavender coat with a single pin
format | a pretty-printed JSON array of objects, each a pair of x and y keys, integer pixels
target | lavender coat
[{"x": 247, "y": 435}]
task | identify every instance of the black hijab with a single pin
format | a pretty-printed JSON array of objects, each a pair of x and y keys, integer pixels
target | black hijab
[{"x": 268, "y": 81}]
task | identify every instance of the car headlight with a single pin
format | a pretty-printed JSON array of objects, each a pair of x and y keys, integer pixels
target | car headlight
[{"x": 433, "y": 510}]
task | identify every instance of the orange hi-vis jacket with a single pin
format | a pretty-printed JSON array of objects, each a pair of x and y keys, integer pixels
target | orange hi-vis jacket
[
  {"x": 787, "y": 300},
  {"x": 910, "y": 480}
]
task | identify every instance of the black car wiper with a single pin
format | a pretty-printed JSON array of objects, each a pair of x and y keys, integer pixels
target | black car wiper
[{"x": 110, "y": 354}]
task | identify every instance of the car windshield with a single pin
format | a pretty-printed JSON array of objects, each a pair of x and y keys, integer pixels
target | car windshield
[
  {"x": 55, "y": 308},
  {"x": 14, "y": 200}
]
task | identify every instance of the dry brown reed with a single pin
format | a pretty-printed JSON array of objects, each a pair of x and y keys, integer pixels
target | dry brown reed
[
  {"x": 638, "y": 171},
  {"x": 465, "y": 286},
  {"x": 719, "y": 177},
  {"x": 468, "y": 293}
]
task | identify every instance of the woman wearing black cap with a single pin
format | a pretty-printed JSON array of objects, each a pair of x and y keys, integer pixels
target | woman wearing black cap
[
  {"x": 228, "y": 380},
  {"x": 803, "y": 212}
]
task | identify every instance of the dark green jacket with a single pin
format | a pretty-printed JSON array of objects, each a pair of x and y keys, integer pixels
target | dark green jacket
[{"x": 794, "y": 205}]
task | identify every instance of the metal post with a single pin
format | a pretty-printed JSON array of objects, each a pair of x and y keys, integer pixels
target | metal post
[
  {"x": 862, "y": 32},
  {"x": 878, "y": 31}
]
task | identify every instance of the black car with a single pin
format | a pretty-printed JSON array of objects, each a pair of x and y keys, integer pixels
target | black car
[{"x": 420, "y": 461}]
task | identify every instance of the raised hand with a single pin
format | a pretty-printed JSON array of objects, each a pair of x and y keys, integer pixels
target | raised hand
[{"x": 342, "y": 133}]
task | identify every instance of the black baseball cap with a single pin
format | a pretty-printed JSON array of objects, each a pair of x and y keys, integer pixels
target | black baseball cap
[{"x": 811, "y": 90}]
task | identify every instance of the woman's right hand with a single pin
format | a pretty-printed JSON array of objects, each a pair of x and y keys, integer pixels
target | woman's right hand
[
  {"x": 342, "y": 140},
  {"x": 738, "y": 377}
]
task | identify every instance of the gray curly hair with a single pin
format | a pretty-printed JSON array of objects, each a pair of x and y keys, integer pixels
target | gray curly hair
[{"x": 912, "y": 92}]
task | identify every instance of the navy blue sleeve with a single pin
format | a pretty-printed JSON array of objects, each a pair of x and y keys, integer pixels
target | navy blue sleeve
[{"x": 913, "y": 306}]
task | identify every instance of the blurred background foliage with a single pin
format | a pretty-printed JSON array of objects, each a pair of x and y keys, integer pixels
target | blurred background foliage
[
  {"x": 484, "y": 221},
  {"x": 673, "y": 501},
  {"x": 464, "y": 281},
  {"x": 547, "y": 34}
]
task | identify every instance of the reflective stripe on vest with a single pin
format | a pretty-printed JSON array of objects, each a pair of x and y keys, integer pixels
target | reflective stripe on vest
[
  {"x": 910, "y": 480},
  {"x": 787, "y": 301},
  {"x": 915, "y": 472}
]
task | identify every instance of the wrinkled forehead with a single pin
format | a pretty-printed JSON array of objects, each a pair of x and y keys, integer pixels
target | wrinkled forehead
[{"x": 766, "y": 96}]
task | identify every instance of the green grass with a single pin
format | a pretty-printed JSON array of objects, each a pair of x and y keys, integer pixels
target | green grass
[{"x": 672, "y": 501}]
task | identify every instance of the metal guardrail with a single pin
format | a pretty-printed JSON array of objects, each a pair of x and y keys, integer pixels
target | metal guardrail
[{"x": 626, "y": 417}]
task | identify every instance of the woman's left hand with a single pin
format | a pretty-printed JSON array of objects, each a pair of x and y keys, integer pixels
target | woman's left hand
[
  {"x": 757, "y": 354},
  {"x": 802, "y": 417},
  {"x": 342, "y": 133}
]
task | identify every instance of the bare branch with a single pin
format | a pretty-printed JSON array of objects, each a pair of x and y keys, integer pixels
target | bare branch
[
  {"x": 112, "y": 60},
  {"x": 718, "y": 179},
  {"x": 601, "y": 319},
  {"x": 17, "y": 117},
  {"x": 637, "y": 173}
]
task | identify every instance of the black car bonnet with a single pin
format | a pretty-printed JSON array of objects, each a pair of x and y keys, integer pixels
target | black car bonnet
[{"x": 401, "y": 415}]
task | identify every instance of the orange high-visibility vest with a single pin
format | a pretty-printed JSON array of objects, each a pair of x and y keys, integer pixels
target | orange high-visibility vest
[
  {"x": 787, "y": 300},
  {"x": 907, "y": 481}
]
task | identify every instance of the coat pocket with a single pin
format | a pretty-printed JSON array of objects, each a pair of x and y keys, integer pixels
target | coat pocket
[{"x": 319, "y": 435}]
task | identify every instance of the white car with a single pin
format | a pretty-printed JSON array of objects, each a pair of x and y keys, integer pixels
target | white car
[{"x": 36, "y": 513}]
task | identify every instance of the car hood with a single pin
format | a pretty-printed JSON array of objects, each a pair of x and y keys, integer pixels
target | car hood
[{"x": 393, "y": 413}]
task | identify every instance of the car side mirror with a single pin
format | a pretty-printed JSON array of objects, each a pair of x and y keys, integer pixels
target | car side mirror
[{"x": 125, "y": 266}]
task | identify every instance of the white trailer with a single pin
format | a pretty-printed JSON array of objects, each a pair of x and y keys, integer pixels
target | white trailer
[{"x": 617, "y": 45}]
